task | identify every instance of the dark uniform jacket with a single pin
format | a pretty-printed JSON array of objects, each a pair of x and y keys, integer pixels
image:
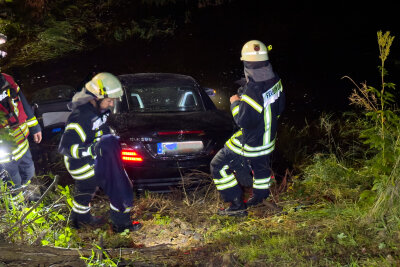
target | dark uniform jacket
[
  {"x": 256, "y": 114},
  {"x": 84, "y": 127}
]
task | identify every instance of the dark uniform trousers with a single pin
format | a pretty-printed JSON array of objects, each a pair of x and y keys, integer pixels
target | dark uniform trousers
[{"x": 231, "y": 171}]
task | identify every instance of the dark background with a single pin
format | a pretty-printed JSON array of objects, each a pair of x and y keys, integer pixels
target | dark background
[{"x": 315, "y": 44}]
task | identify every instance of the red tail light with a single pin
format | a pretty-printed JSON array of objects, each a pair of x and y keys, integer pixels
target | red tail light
[{"x": 130, "y": 155}]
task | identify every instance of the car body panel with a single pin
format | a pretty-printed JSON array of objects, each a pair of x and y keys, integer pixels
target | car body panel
[{"x": 168, "y": 119}]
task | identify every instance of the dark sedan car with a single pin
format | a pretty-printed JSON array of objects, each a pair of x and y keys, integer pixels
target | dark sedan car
[
  {"x": 168, "y": 127},
  {"x": 167, "y": 123}
]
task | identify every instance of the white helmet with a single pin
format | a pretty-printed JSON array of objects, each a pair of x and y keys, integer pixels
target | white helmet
[
  {"x": 105, "y": 85},
  {"x": 255, "y": 51}
]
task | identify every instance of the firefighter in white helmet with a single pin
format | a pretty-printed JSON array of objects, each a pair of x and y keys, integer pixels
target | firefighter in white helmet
[
  {"x": 92, "y": 154},
  {"x": 246, "y": 155}
]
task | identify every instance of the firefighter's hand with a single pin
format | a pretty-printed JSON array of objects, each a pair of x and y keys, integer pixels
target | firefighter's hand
[
  {"x": 37, "y": 137},
  {"x": 95, "y": 150},
  {"x": 234, "y": 98}
]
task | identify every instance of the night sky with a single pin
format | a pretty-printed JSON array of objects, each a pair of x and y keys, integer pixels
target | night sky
[{"x": 315, "y": 43}]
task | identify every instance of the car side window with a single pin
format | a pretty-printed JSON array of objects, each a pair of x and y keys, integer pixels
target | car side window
[
  {"x": 187, "y": 99},
  {"x": 136, "y": 101}
]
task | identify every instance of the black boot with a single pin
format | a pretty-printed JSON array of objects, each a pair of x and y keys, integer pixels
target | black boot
[
  {"x": 254, "y": 201},
  {"x": 82, "y": 220},
  {"x": 237, "y": 208},
  {"x": 258, "y": 196},
  {"x": 122, "y": 221}
]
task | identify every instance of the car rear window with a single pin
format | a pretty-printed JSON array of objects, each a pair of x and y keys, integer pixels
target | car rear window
[{"x": 163, "y": 99}]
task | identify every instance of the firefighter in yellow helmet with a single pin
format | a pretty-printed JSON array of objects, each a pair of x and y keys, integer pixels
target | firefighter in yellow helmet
[
  {"x": 92, "y": 154},
  {"x": 245, "y": 158}
]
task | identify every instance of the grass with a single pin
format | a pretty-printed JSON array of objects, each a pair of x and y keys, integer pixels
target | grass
[
  {"x": 320, "y": 235},
  {"x": 306, "y": 231}
]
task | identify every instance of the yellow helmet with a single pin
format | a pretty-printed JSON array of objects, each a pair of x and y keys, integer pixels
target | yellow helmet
[
  {"x": 254, "y": 51},
  {"x": 105, "y": 85}
]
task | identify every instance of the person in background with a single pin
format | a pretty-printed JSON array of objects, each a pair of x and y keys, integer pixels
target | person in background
[
  {"x": 16, "y": 158},
  {"x": 256, "y": 112},
  {"x": 92, "y": 155}
]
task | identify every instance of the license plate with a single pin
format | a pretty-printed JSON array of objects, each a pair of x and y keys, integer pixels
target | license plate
[{"x": 174, "y": 148}]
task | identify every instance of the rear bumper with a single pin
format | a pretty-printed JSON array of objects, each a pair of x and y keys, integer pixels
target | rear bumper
[{"x": 165, "y": 176}]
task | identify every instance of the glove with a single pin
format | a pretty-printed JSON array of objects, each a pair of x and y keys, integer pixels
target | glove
[{"x": 95, "y": 149}]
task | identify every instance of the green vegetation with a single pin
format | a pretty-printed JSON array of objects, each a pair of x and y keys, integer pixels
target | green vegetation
[
  {"x": 339, "y": 206},
  {"x": 40, "y": 30},
  {"x": 343, "y": 208}
]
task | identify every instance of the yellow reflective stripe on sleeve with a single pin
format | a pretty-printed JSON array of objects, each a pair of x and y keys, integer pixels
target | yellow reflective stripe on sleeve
[
  {"x": 235, "y": 111},
  {"x": 252, "y": 103},
  {"x": 32, "y": 122},
  {"x": 18, "y": 89},
  {"x": 99, "y": 133},
  {"x": 78, "y": 129},
  {"x": 74, "y": 151}
]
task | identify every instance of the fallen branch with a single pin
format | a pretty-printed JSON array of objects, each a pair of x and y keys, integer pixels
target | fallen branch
[{"x": 34, "y": 206}]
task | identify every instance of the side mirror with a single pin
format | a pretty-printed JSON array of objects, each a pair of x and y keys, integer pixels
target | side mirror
[{"x": 210, "y": 91}]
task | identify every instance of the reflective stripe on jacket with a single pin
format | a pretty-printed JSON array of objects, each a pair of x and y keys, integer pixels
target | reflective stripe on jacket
[
  {"x": 84, "y": 127},
  {"x": 10, "y": 102},
  {"x": 27, "y": 122},
  {"x": 256, "y": 114}
]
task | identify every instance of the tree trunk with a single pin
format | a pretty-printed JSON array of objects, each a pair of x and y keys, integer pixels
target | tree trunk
[
  {"x": 23, "y": 255},
  {"x": 38, "y": 256}
]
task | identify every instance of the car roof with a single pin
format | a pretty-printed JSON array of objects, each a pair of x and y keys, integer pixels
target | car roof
[{"x": 169, "y": 79}]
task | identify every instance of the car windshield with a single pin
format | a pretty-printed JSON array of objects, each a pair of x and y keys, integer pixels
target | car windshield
[{"x": 162, "y": 98}]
